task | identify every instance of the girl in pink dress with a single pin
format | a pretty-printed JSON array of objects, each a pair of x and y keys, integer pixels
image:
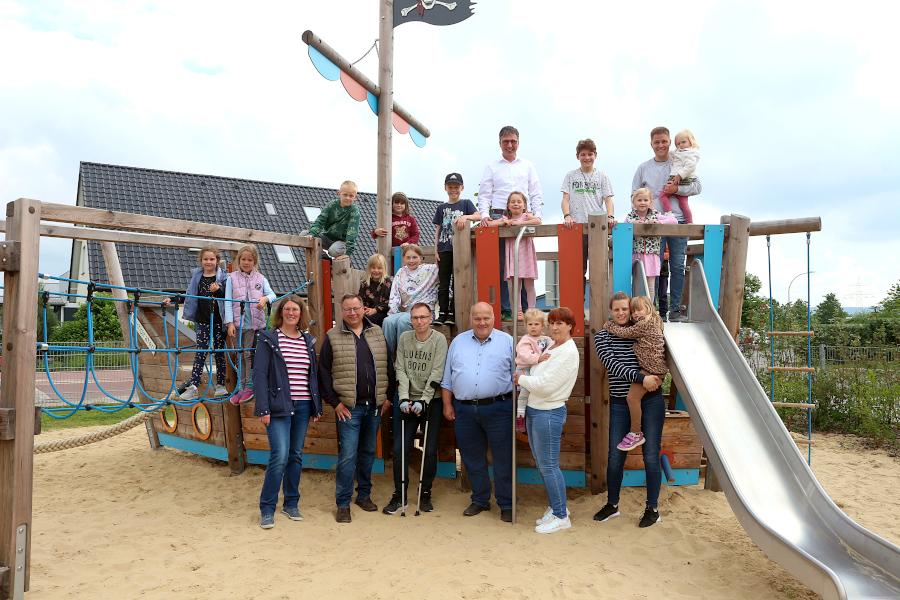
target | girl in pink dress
[
  {"x": 646, "y": 248},
  {"x": 516, "y": 217}
]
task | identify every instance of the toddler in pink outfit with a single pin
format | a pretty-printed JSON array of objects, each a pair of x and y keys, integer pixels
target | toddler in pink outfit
[{"x": 530, "y": 351}]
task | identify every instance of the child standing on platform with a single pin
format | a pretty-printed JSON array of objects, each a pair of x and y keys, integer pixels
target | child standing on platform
[
  {"x": 529, "y": 352},
  {"x": 206, "y": 280},
  {"x": 516, "y": 216},
  {"x": 646, "y": 248},
  {"x": 338, "y": 224},
  {"x": 684, "y": 166},
  {"x": 404, "y": 227},
  {"x": 454, "y": 213},
  {"x": 245, "y": 316},
  {"x": 375, "y": 290},
  {"x": 650, "y": 351}
]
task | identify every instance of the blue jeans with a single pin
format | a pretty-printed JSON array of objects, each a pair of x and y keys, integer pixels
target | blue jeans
[
  {"x": 677, "y": 251},
  {"x": 356, "y": 453},
  {"x": 545, "y": 436},
  {"x": 478, "y": 427},
  {"x": 653, "y": 408},
  {"x": 393, "y": 326},
  {"x": 286, "y": 438}
]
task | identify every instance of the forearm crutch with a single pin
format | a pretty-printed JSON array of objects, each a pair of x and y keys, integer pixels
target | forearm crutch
[
  {"x": 402, "y": 465},
  {"x": 422, "y": 466}
]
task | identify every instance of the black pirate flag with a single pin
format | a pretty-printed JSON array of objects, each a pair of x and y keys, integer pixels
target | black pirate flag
[{"x": 433, "y": 12}]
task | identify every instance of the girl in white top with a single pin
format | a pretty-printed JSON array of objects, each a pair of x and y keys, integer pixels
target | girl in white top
[{"x": 684, "y": 166}]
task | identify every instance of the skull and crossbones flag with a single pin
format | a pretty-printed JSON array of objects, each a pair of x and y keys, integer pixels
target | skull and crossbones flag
[{"x": 433, "y": 12}]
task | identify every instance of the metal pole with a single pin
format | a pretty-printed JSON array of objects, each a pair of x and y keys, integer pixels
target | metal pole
[
  {"x": 515, "y": 333},
  {"x": 385, "y": 108}
]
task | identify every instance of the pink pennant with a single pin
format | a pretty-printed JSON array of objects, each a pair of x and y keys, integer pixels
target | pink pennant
[
  {"x": 399, "y": 124},
  {"x": 356, "y": 91}
]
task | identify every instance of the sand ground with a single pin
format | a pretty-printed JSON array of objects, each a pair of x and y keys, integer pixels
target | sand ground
[{"x": 117, "y": 520}]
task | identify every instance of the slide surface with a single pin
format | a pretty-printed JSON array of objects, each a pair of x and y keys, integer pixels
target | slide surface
[{"x": 766, "y": 480}]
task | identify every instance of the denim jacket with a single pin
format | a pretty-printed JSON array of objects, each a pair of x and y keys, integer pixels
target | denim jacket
[
  {"x": 271, "y": 385},
  {"x": 190, "y": 304}
]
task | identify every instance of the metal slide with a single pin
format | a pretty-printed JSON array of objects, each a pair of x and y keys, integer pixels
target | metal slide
[{"x": 769, "y": 486}]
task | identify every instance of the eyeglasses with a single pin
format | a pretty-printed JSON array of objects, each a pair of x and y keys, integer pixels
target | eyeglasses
[
  {"x": 421, "y": 317},
  {"x": 353, "y": 309}
]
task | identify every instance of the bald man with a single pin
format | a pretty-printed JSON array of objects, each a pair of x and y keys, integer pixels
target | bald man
[{"x": 477, "y": 396}]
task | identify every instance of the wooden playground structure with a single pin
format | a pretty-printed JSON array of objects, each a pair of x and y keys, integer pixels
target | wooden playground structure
[{"x": 231, "y": 434}]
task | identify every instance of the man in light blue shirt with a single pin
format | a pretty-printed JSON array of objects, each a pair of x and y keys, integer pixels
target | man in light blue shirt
[{"x": 477, "y": 395}]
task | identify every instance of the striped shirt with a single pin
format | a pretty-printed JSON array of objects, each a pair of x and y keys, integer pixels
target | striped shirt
[
  {"x": 617, "y": 355},
  {"x": 296, "y": 358}
]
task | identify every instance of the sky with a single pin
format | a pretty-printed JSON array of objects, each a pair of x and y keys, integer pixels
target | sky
[{"x": 796, "y": 111}]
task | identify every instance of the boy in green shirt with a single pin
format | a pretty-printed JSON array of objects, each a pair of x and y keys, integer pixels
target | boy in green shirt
[
  {"x": 338, "y": 224},
  {"x": 419, "y": 368}
]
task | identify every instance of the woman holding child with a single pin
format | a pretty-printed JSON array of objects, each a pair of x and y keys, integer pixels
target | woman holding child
[
  {"x": 548, "y": 386},
  {"x": 617, "y": 354}
]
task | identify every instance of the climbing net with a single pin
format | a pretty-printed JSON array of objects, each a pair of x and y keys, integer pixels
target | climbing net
[{"x": 138, "y": 396}]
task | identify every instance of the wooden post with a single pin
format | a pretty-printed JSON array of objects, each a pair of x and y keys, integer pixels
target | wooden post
[
  {"x": 314, "y": 293},
  {"x": 598, "y": 258},
  {"x": 463, "y": 278},
  {"x": 340, "y": 283},
  {"x": 17, "y": 393},
  {"x": 734, "y": 269},
  {"x": 385, "y": 110}
]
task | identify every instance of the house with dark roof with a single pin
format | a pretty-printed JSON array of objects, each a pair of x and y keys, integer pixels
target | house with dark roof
[{"x": 275, "y": 207}]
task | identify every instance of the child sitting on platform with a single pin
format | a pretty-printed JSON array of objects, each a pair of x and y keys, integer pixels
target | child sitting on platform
[
  {"x": 530, "y": 351},
  {"x": 375, "y": 290},
  {"x": 250, "y": 293},
  {"x": 650, "y": 351},
  {"x": 338, "y": 224}
]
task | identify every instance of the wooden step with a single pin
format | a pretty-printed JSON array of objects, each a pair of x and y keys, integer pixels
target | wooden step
[
  {"x": 791, "y": 333},
  {"x": 793, "y": 369}
]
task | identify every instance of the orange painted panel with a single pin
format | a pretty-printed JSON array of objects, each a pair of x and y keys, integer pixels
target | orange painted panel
[
  {"x": 571, "y": 277},
  {"x": 487, "y": 268}
]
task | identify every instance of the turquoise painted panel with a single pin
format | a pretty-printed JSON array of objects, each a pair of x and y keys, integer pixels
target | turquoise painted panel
[
  {"x": 713, "y": 244},
  {"x": 319, "y": 462},
  {"x": 325, "y": 67},
  {"x": 372, "y": 100},
  {"x": 638, "y": 478},
  {"x": 398, "y": 259},
  {"x": 194, "y": 446},
  {"x": 622, "y": 245},
  {"x": 531, "y": 476}
]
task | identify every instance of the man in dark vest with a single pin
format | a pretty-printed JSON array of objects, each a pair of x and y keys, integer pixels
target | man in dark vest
[{"x": 354, "y": 377}]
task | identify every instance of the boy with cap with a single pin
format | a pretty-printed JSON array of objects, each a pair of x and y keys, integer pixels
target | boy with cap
[{"x": 453, "y": 212}]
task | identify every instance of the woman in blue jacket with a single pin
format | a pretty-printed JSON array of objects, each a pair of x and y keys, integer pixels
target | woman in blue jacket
[{"x": 287, "y": 397}]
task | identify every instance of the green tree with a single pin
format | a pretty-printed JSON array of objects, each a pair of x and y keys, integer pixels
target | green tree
[
  {"x": 106, "y": 324},
  {"x": 891, "y": 303},
  {"x": 755, "y": 311},
  {"x": 830, "y": 310}
]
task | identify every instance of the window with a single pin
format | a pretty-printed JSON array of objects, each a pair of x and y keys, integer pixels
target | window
[
  {"x": 270, "y": 209},
  {"x": 312, "y": 213},
  {"x": 284, "y": 254}
]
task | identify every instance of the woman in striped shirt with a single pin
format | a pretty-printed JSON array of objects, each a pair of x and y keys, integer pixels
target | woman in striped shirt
[
  {"x": 617, "y": 355},
  {"x": 287, "y": 397}
]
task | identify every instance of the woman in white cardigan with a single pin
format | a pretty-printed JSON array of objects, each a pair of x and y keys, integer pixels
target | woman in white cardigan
[{"x": 548, "y": 387}]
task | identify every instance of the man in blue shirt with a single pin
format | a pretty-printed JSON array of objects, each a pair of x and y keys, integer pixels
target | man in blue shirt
[{"x": 477, "y": 395}]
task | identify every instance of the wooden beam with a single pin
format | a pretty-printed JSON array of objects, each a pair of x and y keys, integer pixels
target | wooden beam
[
  {"x": 17, "y": 388},
  {"x": 598, "y": 261},
  {"x": 340, "y": 283},
  {"x": 694, "y": 232},
  {"x": 463, "y": 278},
  {"x": 734, "y": 269},
  {"x": 385, "y": 125},
  {"x": 95, "y": 217},
  {"x": 548, "y": 256},
  {"x": 7, "y": 423},
  {"x": 314, "y": 291},
  {"x": 803, "y": 405},
  {"x": 127, "y": 237},
  {"x": 9, "y": 256},
  {"x": 776, "y": 227},
  {"x": 792, "y": 333}
]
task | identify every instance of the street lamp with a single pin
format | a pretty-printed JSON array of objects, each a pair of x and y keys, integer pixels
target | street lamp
[{"x": 795, "y": 279}]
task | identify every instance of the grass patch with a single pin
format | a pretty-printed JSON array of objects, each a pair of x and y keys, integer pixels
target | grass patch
[{"x": 83, "y": 418}]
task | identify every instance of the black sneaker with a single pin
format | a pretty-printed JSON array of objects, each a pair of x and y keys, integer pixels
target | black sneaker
[
  {"x": 438, "y": 321},
  {"x": 651, "y": 517},
  {"x": 449, "y": 320},
  {"x": 426, "y": 505},
  {"x": 606, "y": 513},
  {"x": 393, "y": 507},
  {"x": 676, "y": 316}
]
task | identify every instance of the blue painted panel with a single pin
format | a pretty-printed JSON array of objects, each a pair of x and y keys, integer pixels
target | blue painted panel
[
  {"x": 325, "y": 67},
  {"x": 372, "y": 100},
  {"x": 319, "y": 462},
  {"x": 194, "y": 446},
  {"x": 531, "y": 476},
  {"x": 638, "y": 478},
  {"x": 713, "y": 244},
  {"x": 398, "y": 259},
  {"x": 679, "y": 402},
  {"x": 447, "y": 470},
  {"x": 622, "y": 245}
]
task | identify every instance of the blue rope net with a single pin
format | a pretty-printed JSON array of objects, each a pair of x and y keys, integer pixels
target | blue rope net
[{"x": 138, "y": 397}]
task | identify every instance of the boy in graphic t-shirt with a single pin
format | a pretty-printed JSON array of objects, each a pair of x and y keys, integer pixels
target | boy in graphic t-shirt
[{"x": 452, "y": 213}]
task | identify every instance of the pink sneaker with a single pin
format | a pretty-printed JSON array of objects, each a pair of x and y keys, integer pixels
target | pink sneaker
[
  {"x": 631, "y": 441},
  {"x": 242, "y": 396}
]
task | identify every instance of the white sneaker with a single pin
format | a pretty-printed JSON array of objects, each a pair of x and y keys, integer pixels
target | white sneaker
[
  {"x": 221, "y": 391},
  {"x": 553, "y": 525},
  {"x": 189, "y": 393},
  {"x": 547, "y": 514}
]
